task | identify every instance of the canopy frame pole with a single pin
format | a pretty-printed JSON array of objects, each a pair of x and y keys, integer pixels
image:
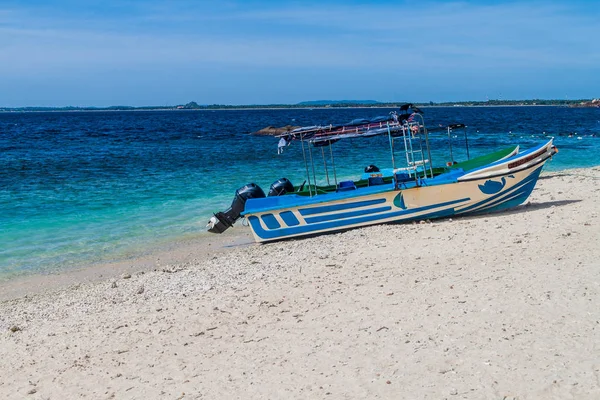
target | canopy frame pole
[
  {"x": 305, "y": 165},
  {"x": 325, "y": 165},
  {"x": 412, "y": 152},
  {"x": 450, "y": 144},
  {"x": 467, "y": 143},
  {"x": 333, "y": 164},
  {"x": 310, "y": 153},
  {"x": 392, "y": 154},
  {"x": 427, "y": 145},
  {"x": 405, "y": 132},
  {"x": 422, "y": 153}
]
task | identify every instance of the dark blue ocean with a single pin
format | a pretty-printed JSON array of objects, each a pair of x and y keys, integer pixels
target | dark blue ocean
[{"x": 78, "y": 188}]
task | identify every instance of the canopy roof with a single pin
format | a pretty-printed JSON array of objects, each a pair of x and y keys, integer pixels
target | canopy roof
[{"x": 323, "y": 135}]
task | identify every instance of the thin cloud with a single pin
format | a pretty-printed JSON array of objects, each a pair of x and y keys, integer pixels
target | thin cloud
[{"x": 494, "y": 31}]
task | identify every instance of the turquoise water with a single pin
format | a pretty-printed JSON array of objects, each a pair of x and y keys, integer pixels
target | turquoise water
[{"x": 84, "y": 187}]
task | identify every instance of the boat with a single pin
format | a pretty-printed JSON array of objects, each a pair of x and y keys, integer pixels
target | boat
[{"x": 414, "y": 192}]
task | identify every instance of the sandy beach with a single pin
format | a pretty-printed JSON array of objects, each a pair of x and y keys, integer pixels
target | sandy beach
[{"x": 498, "y": 306}]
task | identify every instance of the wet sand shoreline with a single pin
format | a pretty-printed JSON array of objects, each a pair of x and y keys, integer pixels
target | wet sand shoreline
[{"x": 180, "y": 251}]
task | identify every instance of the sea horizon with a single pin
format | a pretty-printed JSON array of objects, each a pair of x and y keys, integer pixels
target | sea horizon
[{"x": 319, "y": 104}]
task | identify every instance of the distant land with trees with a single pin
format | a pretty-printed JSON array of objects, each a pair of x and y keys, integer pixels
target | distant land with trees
[{"x": 321, "y": 104}]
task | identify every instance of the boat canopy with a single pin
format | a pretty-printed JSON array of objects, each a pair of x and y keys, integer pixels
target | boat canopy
[{"x": 324, "y": 135}]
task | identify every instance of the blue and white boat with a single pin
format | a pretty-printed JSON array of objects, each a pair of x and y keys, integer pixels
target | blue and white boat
[{"x": 413, "y": 193}]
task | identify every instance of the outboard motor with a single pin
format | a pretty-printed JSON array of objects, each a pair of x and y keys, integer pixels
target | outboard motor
[
  {"x": 371, "y": 168},
  {"x": 221, "y": 221},
  {"x": 281, "y": 187}
]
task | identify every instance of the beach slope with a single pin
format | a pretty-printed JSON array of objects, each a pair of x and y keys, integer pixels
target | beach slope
[{"x": 498, "y": 306}]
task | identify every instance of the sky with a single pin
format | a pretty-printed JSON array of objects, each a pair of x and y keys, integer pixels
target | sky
[{"x": 169, "y": 52}]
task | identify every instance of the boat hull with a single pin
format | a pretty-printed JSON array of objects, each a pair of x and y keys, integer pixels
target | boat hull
[{"x": 494, "y": 187}]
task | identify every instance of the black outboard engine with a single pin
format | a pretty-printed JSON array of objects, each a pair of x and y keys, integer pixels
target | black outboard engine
[
  {"x": 281, "y": 187},
  {"x": 371, "y": 168},
  {"x": 221, "y": 221}
]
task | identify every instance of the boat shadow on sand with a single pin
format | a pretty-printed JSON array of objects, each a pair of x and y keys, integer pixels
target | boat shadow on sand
[
  {"x": 544, "y": 177},
  {"x": 531, "y": 206}
]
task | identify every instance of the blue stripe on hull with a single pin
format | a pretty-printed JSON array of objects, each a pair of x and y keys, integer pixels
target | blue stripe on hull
[
  {"x": 341, "y": 224},
  {"x": 339, "y": 207},
  {"x": 331, "y": 217},
  {"x": 289, "y": 218},
  {"x": 531, "y": 179},
  {"x": 270, "y": 221},
  {"x": 523, "y": 190},
  {"x": 513, "y": 200}
]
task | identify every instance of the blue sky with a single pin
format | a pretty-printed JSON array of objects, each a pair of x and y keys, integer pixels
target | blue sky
[{"x": 120, "y": 52}]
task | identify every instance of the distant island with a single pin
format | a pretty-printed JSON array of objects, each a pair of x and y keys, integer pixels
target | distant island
[{"x": 321, "y": 104}]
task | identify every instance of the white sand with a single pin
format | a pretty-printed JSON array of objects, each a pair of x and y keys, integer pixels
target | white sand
[{"x": 501, "y": 306}]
